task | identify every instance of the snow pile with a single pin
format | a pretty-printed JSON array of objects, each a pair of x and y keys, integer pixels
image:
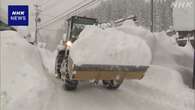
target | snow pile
[
  {"x": 171, "y": 71},
  {"x": 129, "y": 27},
  {"x": 165, "y": 51},
  {"x": 48, "y": 59},
  {"x": 22, "y": 78},
  {"x": 170, "y": 55},
  {"x": 109, "y": 46},
  {"x": 166, "y": 54}
]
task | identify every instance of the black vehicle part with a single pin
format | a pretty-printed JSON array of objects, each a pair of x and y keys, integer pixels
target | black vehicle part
[
  {"x": 59, "y": 60},
  {"x": 112, "y": 84},
  {"x": 70, "y": 84}
]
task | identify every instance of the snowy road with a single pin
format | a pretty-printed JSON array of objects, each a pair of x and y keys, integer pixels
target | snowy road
[
  {"x": 26, "y": 85},
  {"x": 131, "y": 95}
]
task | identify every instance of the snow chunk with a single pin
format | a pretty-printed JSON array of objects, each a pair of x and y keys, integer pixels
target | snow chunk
[{"x": 110, "y": 46}]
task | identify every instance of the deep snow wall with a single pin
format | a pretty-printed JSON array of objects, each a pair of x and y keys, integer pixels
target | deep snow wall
[{"x": 22, "y": 78}]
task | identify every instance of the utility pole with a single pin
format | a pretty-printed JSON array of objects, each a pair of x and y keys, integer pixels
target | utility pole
[
  {"x": 37, "y": 20},
  {"x": 193, "y": 82},
  {"x": 152, "y": 15}
]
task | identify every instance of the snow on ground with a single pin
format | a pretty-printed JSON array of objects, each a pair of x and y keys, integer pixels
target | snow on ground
[
  {"x": 172, "y": 66},
  {"x": 170, "y": 72},
  {"x": 48, "y": 59},
  {"x": 27, "y": 85},
  {"x": 109, "y": 46},
  {"x": 22, "y": 80}
]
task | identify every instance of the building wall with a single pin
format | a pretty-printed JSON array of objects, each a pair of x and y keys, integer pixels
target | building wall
[{"x": 184, "y": 15}]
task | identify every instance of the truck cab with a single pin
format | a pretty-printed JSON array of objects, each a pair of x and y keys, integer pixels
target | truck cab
[{"x": 75, "y": 26}]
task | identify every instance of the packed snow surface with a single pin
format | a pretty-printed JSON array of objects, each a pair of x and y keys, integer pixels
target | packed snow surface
[
  {"x": 26, "y": 85},
  {"x": 110, "y": 46}
]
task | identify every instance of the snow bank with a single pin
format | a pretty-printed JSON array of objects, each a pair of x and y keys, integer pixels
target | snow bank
[
  {"x": 164, "y": 86},
  {"x": 109, "y": 46},
  {"x": 171, "y": 71},
  {"x": 170, "y": 55},
  {"x": 165, "y": 51},
  {"x": 48, "y": 59},
  {"x": 22, "y": 78}
]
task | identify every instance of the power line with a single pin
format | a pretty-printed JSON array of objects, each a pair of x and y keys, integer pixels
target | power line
[
  {"x": 46, "y": 15},
  {"x": 86, "y": 7},
  {"x": 58, "y": 17},
  {"x": 67, "y": 10},
  {"x": 50, "y": 5},
  {"x": 46, "y": 2}
]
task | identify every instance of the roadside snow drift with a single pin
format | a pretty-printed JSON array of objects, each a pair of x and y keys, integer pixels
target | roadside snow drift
[
  {"x": 110, "y": 46},
  {"x": 48, "y": 59},
  {"x": 22, "y": 80},
  {"x": 165, "y": 51}
]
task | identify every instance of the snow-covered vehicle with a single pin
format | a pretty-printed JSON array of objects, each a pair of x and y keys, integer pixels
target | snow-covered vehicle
[{"x": 112, "y": 76}]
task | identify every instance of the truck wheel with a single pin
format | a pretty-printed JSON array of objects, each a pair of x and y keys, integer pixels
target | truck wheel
[
  {"x": 59, "y": 60},
  {"x": 112, "y": 84},
  {"x": 70, "y": 84}
]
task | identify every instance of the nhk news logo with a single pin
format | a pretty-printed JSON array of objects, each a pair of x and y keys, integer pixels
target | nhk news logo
[
  {"x": 179, "y": 3},
  {"x": 18, "y": 15},
  {"x": 182, "y": 4}
]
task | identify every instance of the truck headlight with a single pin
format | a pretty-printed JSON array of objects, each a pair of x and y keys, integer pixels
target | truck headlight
[{"x": 69, "y": 44}]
